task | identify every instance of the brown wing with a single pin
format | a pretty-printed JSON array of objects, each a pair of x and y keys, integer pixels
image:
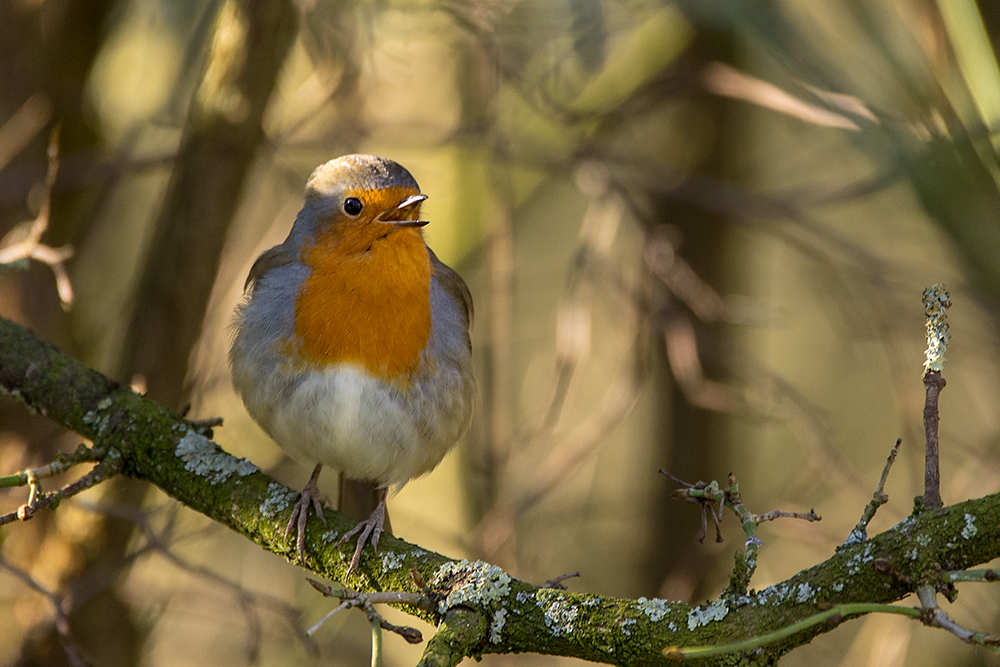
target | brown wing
[
  {"x": 275, "y": 257},
  {"x": 454, "y": 285}
]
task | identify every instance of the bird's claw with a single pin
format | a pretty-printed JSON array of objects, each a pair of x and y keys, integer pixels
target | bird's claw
[
  {"x": 370, "y": 530},
  {"x": 300, "y": 513}
]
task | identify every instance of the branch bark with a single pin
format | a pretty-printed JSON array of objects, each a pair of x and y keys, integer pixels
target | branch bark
[{"x": 483, "y": 609}]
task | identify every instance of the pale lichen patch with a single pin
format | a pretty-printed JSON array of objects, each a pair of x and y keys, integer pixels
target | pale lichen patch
[
  {"x": 936, "y": 303},
  {"x": 655, "y": 608},
  {"x": 626, "y": 625},
  {"x": 202, "y": 457},
  {"x": 94, "y": 419},
  {"x": 496, "y": 626},
  {"x": 391, "y": 561},
  {"x": 716, "y": 611},
  {"x": 763, "y": 596},
  {"x": 857, "y": 536},
  {"x": 476, "y": 584},
  {"x": 805, "y": 593},
  {"x": 970, "y": 529},
  {"x": 560, "y": 616},
  {"x": 279, "y": 497},
  {"x": 859, "y": 560}
]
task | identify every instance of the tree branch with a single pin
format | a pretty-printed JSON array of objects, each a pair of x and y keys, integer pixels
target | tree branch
[{"x": 482, "y": 608}]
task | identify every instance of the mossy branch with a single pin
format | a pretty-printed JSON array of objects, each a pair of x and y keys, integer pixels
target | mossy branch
[{"x": 490, "y": 612}]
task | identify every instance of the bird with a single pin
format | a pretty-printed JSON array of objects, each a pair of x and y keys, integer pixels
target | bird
[{"x": 351, "y": 345}]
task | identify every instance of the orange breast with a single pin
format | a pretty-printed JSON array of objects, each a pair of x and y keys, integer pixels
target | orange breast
[{"x": 370, "y": 308}]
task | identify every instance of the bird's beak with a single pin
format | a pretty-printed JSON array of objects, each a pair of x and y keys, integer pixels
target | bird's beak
[{"x": 399, "y": 215}]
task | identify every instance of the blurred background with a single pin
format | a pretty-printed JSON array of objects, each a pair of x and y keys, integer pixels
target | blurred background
[{"x": 696, "y": 233}]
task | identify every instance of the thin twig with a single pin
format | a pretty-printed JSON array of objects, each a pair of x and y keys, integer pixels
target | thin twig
[
  {"x": 931, "y": 614},
  {"x": 781, "y": 514},
  {"x": 936, "y": 303},
  {"x": 105, "y": 469},
  {"x": 31, "y": 247},
  {"x": 988, "y": 576},
  {"x": 932, "y": 466},
  {"x": 367, "y": 601},
  {"x": 376, "y": 624},
  {"x": 662, "y": 256},
  {"x": 62, "y": 463},
  {"x": 556, "y": 582},
  {"x": 730, "y": 82},
  {"x": 836, "y": 612},
  {"x": 709, "y": 494},
  {"x": 676, "y": 479},
  {"x": 879, "y": 498},
  {"x": 318, "y": 624},
  {"x": 705, "y": 496},
  {"x": 21, "y": 128},
  {"x": 205, "y": 426}
]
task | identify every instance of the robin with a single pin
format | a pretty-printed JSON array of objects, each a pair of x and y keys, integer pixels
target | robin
[{"x": 351, "y": 346}]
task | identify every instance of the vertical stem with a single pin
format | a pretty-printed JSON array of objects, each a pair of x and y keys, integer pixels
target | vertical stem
[
  {"x": 376, "y": 641},
  {"x": 936, "y": 303},
  {"x": 932, "y": 471}
]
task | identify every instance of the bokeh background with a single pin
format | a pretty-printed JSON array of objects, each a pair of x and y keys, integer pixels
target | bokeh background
[{"x": 696, "y": 233}]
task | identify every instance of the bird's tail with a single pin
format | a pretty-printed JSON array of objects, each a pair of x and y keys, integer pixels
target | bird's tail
[{"x": 358, "y": 499}]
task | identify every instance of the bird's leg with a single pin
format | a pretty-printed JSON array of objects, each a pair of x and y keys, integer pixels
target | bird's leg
[
  {"x": 309, "y": 497},
  {"x": 369, "y": 528}
]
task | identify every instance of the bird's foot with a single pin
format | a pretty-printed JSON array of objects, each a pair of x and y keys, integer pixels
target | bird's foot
[
  {"x": 300, "y": 512},
  {"x": 370, "y": 528}
]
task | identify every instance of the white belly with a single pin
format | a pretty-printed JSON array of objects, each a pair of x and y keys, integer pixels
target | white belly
[{"x": 346, "y": 419}]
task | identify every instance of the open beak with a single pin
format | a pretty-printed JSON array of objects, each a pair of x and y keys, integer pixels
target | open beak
[{"x": 399, "y": 216}]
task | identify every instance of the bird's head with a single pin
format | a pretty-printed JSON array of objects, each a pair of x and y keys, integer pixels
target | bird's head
[{"x": 358, "y": 201}]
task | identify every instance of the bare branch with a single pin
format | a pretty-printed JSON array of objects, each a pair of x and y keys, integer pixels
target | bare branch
[
  {"x": 988, "y": 576},
  {"x": 936, "y": 303},
  {"x": 932, "y": 615},
  {"x": 107, "y": 468},
  {"x": 879, "y": 498},
  {"x": 62, "y": 463},
  {"x": 727, "y": 81},
  {"x": 501, "y": 614},
  {"x": 31, "y": 247},
  {"x": 557, "y": 582},
  {"x": 350, "y": 599},
  {"x": 22, "y": 127}
]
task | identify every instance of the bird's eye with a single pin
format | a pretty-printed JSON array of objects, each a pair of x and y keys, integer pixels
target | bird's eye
[{"x": 353, "y": 206}]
